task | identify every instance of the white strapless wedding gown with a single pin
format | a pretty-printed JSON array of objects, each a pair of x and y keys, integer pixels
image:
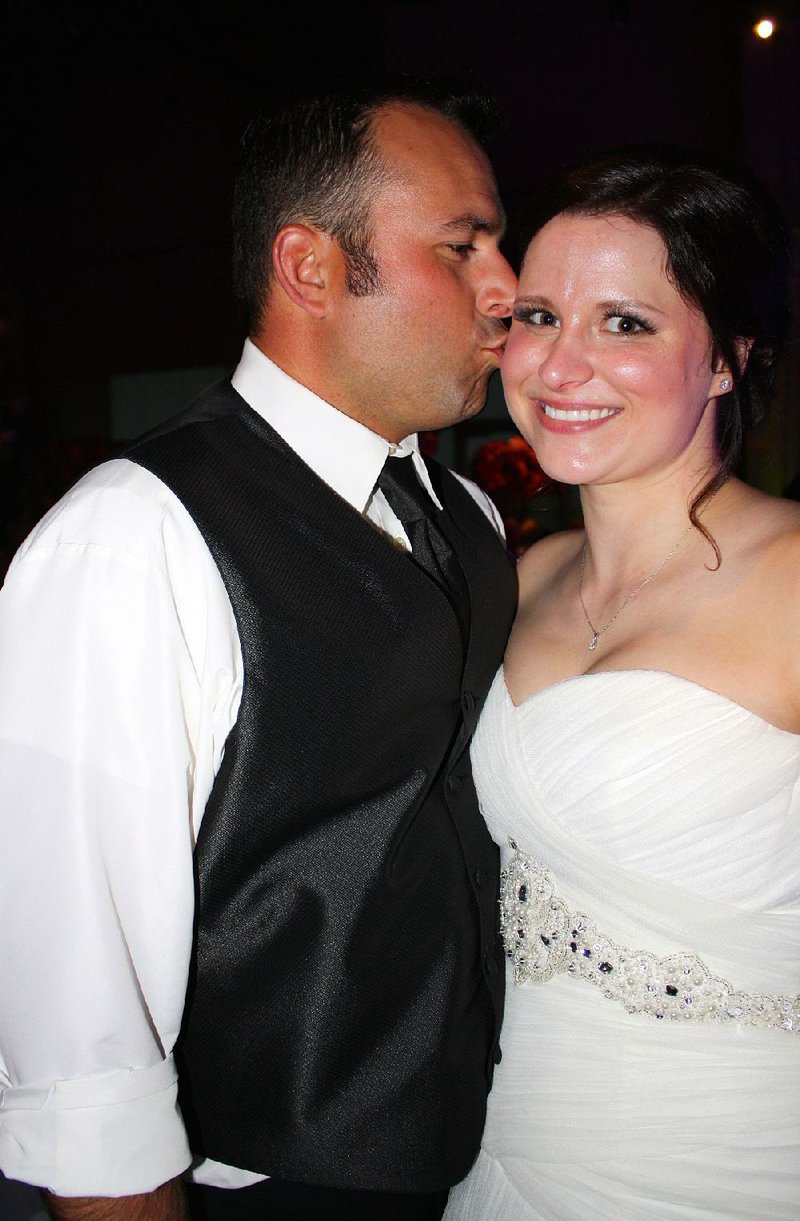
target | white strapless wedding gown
[{"x": 654, "y": 820}]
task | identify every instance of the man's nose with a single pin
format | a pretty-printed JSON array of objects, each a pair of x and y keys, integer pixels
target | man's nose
[{"x": 496, "y": 296}]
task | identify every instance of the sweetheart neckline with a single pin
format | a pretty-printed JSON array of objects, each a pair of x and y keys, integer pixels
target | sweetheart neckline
[{"x": 653, "y": 673}]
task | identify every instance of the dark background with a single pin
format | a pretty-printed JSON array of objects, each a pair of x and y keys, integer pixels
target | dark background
[{"x": 119, "y": 126}]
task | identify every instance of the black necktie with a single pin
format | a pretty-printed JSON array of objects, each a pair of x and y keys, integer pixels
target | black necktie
[{"x": 430, "y": 549}]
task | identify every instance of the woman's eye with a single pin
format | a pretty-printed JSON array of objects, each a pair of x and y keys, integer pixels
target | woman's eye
[
  {"x": 535, "y": 317},
  {"x": 626, "y": 324}
]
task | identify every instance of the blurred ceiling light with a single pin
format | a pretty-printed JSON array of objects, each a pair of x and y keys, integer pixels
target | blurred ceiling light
[{"x": 764, "y": 28}]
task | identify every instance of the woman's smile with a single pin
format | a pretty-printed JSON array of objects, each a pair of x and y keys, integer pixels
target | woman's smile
[{"x": 574, "y": 414}]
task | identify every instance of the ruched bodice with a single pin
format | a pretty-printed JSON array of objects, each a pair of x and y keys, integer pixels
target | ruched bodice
[{"x": 669, "y": 817}]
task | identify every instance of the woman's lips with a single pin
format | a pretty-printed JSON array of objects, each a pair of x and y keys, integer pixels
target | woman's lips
[{"x": 565, "y": 417}]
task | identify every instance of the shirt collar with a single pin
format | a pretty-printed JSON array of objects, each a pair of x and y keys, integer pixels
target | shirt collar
[{"x": 344, "y": 453}]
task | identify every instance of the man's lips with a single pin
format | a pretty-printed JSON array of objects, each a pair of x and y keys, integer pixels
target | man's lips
[{"x": 497, "y": 345}]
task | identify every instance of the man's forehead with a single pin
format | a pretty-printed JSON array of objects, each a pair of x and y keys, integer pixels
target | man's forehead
[
  {"x": 432, "y": 153},
  {"x": 408, "y": 130}
]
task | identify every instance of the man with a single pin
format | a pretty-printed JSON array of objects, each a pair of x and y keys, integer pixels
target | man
[{"x": 213, "y": 656}]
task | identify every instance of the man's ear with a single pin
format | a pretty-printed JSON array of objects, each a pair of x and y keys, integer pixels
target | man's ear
[{"x": 304, "y": 262}]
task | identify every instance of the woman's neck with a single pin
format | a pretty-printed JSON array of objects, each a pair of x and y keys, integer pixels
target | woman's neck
[{"x": 630, "y": 529}]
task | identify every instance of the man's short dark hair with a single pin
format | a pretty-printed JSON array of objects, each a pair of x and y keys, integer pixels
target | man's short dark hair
[{"x": 316, "y": 162}]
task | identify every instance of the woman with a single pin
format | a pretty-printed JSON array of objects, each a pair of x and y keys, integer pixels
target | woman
[{"x": 639, "y": 754}]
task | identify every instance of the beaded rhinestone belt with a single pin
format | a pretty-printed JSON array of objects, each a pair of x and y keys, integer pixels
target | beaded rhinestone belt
[{"x": 543, "y": 938}]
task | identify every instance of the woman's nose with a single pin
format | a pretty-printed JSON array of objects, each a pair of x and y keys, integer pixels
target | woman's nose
[{"x": 566, "y": 362}]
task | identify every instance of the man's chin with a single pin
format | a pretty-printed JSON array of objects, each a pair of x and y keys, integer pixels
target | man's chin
[
  {"x": 467, "y": 412},
  {"x": 471, "y": 402},
  {"x": 476, "y": 402}
]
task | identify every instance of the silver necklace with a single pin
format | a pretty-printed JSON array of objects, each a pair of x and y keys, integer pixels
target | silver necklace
[{"x": 597, "y": 632}]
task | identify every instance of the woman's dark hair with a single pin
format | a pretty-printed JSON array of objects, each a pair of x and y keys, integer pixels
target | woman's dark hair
[
  {"x": 316, "y": 161},
  {"x": 727, "y": 254}
]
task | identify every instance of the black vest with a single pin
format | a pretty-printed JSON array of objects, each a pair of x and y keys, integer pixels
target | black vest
[{"x": 347, "y": 983}]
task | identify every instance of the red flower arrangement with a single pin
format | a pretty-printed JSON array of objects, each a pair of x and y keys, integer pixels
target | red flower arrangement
[
  {"x": 508, "y": 469},
  {"x": 510, "y": 474}
]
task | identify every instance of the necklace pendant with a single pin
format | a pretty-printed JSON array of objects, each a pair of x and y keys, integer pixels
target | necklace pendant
[{"x": 593, "y": 642}]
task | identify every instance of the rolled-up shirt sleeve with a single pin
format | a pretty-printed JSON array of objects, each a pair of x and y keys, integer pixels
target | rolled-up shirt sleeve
[{"x": 120, "y": 674}]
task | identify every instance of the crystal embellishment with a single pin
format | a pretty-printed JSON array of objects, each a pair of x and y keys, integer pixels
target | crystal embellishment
[{"x": 542, "y": 937}]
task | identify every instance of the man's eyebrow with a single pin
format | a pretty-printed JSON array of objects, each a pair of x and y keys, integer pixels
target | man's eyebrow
[{"x": 476, "y": 224}]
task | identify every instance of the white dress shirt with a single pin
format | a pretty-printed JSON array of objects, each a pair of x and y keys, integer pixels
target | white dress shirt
[{"x": 120, "y": 679}]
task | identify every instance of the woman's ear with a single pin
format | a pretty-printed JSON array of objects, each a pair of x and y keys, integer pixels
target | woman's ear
[
  {"x": 725, "y": 378},
  {"x": 304, "y": 265}
]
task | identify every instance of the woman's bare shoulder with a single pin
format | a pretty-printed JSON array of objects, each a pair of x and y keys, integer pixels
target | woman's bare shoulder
[
  {"x": 757, "y": 607},
  {"x": 777, "y": 509},
  {"x": 765, "y": 526}
]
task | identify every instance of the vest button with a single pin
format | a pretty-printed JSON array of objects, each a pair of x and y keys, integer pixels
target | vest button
[
  {"x": 490, "y": 963},
  {"x": 455, "y": 784},
  {"x": 467, "y": 703},
  {"x": 480, "y": 877},
  {"x": 497, "y": 1054}
]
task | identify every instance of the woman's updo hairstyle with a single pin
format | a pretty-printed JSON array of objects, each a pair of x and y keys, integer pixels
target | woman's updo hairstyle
[{"x": 727, "y": 255}]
